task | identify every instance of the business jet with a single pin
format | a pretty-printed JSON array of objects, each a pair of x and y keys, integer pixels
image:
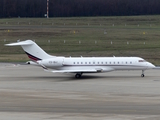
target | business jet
[{"x": 80, "y": 65}]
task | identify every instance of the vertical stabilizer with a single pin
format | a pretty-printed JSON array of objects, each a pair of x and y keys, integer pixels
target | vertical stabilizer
[{"x": 33, "y": 51}]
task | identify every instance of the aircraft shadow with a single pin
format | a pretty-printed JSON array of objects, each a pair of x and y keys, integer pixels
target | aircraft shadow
[{"x": 72, "y": 78}]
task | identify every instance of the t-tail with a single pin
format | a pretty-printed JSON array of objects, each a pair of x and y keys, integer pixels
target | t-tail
[{"x": 33, "y": 51}]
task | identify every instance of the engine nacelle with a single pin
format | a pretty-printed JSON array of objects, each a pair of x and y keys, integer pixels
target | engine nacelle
[
  {"x": 32, "y": 63},
  {"x": 52, "y": 62}
]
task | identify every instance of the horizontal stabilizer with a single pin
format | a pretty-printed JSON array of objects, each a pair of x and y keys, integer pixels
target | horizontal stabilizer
[{"x": 23, "y": 43}]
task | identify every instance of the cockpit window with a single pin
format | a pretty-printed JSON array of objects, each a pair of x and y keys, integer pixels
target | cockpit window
[{"x": 142, "y": 61}]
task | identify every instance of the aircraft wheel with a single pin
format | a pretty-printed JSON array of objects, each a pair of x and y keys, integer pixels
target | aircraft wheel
[
  {"x": 77, "y": 75},
  {"x": 142, "y": 75}
]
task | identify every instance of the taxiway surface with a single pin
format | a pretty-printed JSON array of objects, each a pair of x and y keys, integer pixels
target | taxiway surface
[{"x": 27, "y": 92}]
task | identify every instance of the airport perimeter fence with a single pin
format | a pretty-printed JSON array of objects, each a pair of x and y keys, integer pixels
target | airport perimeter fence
[
  {"x": 87, "y": 24},
  {"x": 99, "y": 43}
]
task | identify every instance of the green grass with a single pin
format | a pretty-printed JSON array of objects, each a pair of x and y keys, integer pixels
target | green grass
[{"x": 142, "y": 33}]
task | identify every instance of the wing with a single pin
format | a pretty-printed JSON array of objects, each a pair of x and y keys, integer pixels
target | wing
[
  {"x": 72, "y": 71},
  {"x": 94, "y": 70}
]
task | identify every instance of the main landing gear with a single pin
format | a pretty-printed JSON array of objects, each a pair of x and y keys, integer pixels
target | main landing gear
[
  {"x": 142, "y": 75},
  {"x": 78, "y": 75}
]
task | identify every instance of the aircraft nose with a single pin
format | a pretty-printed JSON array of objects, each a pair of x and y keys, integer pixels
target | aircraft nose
[{"x": 150, "y": 65}]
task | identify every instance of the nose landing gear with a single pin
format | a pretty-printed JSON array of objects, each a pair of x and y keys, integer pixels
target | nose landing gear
[{"x": 142, "y": 75}]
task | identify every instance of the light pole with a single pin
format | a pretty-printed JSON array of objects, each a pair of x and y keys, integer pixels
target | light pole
[{"x": 47, "y": 8}]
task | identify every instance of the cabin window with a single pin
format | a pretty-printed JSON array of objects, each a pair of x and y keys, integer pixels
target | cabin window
[
  {"x": 110, "y": 62},
  {"x": 98, "y": 62},
  {"x": 118, "y": 62},
  {"x": 114, "y": 63},
  {"x": 93, "y": 62},
  {"x": 81, "y": 62},
  {"x": 77, "y": 62},
  {"x": 101, "y": 62},
  {"x": 130, "y": 62},
  {"x": 126, "y": 62},
  {"x": 74, "y": 63},
  {"x": 85, "y": 62},
  {"x": 106, "y": 62}
]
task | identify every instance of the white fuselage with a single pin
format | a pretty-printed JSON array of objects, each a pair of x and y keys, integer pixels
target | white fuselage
[
  {"x": 104, "y": 64},
  {"x": 80, "y": 65}
]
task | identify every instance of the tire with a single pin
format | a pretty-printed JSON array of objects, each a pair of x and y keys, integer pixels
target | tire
[
  {"x": 77, "y": 75},
  {"x": 142, "y": 75}
]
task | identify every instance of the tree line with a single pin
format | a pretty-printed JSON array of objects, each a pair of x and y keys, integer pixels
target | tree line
[{"x": 72, "y": 8}]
